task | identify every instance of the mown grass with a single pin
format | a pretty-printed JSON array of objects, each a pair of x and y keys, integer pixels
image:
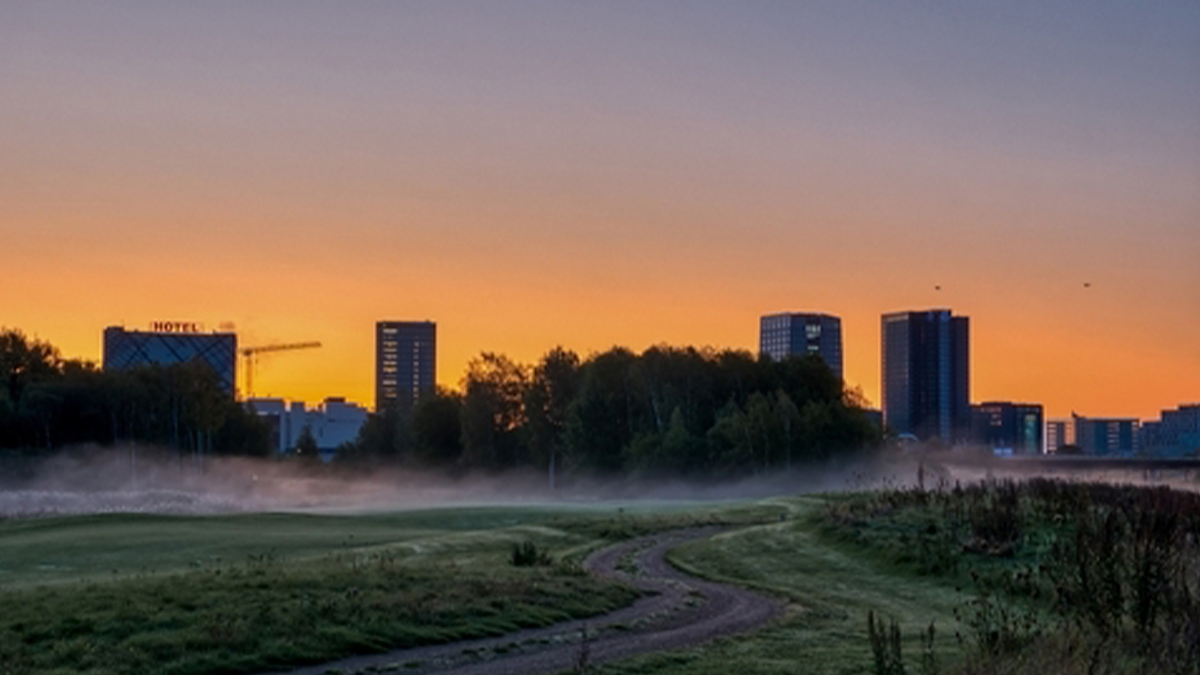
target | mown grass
[
  {"x": 137, "y": 594},
  {"x": 267, "y": 614},
  {"x": 830, "y": 587},
  {"x": 55, "y": 549}
]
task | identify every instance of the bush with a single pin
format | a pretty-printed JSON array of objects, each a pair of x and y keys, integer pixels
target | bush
[{"x": 526, "y": 554}]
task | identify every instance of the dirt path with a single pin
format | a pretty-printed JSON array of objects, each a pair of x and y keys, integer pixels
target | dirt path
[{"x": 683, "y": 611}]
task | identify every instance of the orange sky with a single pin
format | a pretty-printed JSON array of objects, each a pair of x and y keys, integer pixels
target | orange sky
[{"x": 624, "y": 179}]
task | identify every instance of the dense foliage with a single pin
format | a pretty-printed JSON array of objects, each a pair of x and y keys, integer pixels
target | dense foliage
[
  {"x": 47, "y": 402},
  {"x": 1070, "y": 577},
  {"x": 676, "y": 411},
  {"x": 667, "y": 411}
]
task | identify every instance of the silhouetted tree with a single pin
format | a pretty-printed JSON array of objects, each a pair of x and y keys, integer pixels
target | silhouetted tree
[
  {"x": 306, "y": 445},
  {"x": 47, "y": 402},
  {"x": 437, "y": 429},
  {"x": 554, "y": 384},
  {"x": 493, "y": 412}
]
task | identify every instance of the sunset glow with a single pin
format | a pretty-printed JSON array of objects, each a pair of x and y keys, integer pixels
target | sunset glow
[{"x": 537, "y": 174}]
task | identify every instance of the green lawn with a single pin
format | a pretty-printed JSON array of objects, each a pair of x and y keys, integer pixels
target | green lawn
[
  {"x": 830, "y": 588},
  {"x": 245, "y": 593},
  {"x": 195, "y": 595}
]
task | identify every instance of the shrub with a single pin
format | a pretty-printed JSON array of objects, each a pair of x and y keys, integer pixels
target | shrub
[{"x": 526, "y": 554}]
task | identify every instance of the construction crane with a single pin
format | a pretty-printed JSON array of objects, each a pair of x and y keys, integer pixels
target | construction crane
[{"x": 251, "y": 353}]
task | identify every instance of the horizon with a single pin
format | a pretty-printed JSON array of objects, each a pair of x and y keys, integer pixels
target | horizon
[{"x": 536, "y": 175}]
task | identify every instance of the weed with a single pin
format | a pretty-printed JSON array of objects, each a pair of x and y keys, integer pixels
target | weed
[
  {"x": 885, "y": 645},
  {"x": 581, "y": 664}
]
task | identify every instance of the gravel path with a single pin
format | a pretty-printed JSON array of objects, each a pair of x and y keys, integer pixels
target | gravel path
[{"x": 683, "y": 611}]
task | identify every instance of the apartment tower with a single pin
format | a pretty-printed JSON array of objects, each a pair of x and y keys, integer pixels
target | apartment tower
[{"x": 405, "y": 362}]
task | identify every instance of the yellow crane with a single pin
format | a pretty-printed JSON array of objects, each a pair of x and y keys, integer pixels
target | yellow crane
[{"x": 251, "y": 353}]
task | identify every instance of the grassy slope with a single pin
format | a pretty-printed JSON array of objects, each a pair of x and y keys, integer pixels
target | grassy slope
[
  {"x": 45, "y": 550},
  {"x": 193, "y": 595},
  {"x": 38, "y": 551},
  {"x": 830, "y": 587}
]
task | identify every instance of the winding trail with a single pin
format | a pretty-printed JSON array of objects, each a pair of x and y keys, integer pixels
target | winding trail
[{"x": 682, "y": 611}]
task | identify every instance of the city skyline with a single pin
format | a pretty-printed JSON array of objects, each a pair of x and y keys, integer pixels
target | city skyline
[
  {"x": 632, "y": 174},
  {"x": 420, "y": 336}
]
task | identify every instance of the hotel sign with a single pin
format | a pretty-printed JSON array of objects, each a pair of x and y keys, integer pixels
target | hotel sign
[{"x": 175, "y": 327}]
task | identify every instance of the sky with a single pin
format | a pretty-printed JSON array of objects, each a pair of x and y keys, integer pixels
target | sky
[{"x": 533, "y": 174}]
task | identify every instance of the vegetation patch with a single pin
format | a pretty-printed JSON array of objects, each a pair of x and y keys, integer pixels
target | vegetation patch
[
  {"x": 1090, "y": 577},
  {"x": 261, "y": 611}
]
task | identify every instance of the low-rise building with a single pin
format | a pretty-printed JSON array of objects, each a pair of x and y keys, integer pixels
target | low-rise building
[
  {"x": 1175, "y": 434},
  {"x": 332, "y": 424},
  {"x": 1057, "y": 435},
  {"x": 1107, "y": 436},
  {"x": 1008, "y": 428}
]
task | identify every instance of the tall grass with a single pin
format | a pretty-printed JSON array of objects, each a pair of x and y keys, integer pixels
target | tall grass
[{"x": 1107, "y": 575}]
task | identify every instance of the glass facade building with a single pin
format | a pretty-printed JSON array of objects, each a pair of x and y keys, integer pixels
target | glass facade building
[
  {"x": 124, "y": 349},
  {"x": 405, "y": 362},
  {"x": 1008, "y": 428},
  {"x": 1175, "y": 434},
  {"x": 1107, "y": 436},
  {"x": 795, "y": 334},
  {"x": 926, "y": 375}
]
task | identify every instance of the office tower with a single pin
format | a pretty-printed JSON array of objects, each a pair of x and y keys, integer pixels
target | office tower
[
  {"x": 926, "y": 374},
  {"x": 1008, "y": 428},
  {"x": 794, "y": 334},
  {"x": 1103, "y": 436},
  {"x": 405, "y": 362},
  {"x": 172, "y": 343}
]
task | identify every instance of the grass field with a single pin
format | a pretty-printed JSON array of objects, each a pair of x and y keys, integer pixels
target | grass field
[
  {"x": 830, "y": 588},
  {"x": 197, "y": 595},
  {"x": 244, "y": 593}
]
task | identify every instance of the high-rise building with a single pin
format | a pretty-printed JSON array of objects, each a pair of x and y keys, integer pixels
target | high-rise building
[
  {"x": 172, "y": 343},
  {"x": 405, "y": 362},
  {"x": 795, "y": 334},
  {"x": 1105, "y": 436},
  {"x": 926, "y": 374},
  {"x": 1008, "y": 428}
]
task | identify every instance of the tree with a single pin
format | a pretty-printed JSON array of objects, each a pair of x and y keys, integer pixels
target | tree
[
  {"x": 24, "y": 362},
  {"x": 728, "y": 440},
  {"x": 599, "y": 420},
  {"x": 554, "y": 384},
  {"x": 493, "y": 411},
  {"x": 437, "y": 429},
  {"x": 789, "y": 418},
  {"x": 306, "y": 445},
  {"x": 379, "y": 439}
]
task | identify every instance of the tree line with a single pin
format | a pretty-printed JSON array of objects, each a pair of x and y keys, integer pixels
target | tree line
[
  {"x": 48, "y": 402},
  {"x": 666, "y": 411}
]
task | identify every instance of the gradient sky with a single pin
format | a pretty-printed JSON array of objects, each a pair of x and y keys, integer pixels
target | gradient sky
[{"x": 530, "y": 174}]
